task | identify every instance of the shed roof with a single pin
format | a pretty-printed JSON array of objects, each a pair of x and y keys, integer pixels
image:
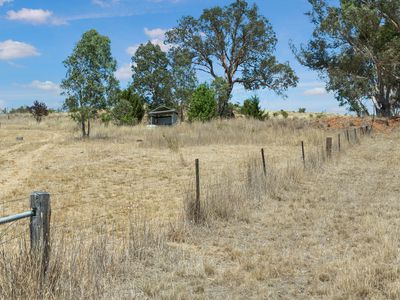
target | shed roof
[{"x": 162, "y": 110}]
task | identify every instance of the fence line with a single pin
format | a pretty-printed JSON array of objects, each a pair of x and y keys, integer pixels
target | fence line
[{"x": 40, "y": 211}]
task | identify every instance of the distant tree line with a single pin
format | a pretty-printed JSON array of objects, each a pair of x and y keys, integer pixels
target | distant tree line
[
  {"x": 355, "y": 47},
  {"x": 234, "y": 44}
]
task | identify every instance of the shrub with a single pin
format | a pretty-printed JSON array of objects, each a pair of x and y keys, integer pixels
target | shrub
[
  {"x": 284, "y": 114},
  {"x": 302, "y": 110},
  {"x": 275, "y": 114},
  {"x": 203, "y": 106},
  {"x": 129, "y": 109},
  {"x": 251, "y": 108},
  {"x": 39, "y": 110}
]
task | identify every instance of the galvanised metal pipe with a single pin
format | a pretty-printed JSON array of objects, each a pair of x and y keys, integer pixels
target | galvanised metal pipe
[{"x": 16, "y": 217}]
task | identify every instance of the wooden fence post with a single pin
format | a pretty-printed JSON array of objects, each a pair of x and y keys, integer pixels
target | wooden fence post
[
  {"x": 263, "y": 162},
  {"x": 303, "y": 154},
  {"x": 197, "y": 204},
  {"x": 348, "y": 135},
  {"x": 329, "y": 147},
  {"x": 338, "y": 141},
  {"x": 40, "y": 229}
]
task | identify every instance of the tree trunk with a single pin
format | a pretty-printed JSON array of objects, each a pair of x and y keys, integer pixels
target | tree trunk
[
  {"x": 83, "y": 126},
  {"x": 88, "y": 128},
  {"x": 223, "y": 102},
  {"x": 181, "y": 113},
  {"x": 385, "y": 109}
]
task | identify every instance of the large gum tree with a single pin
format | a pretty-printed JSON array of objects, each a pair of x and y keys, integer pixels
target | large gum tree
[
  {"x": 355, "y": 47},
  {"x": 234, "y": 43}
]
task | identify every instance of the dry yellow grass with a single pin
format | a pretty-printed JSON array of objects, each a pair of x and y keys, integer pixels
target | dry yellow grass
[{"x": 119, "y": 229}]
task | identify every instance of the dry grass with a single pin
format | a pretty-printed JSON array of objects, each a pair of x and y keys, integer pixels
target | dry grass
[{"x": 120, "y": 230}]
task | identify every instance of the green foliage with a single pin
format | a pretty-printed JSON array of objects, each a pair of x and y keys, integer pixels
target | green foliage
[
  {"x": 356, "y": 47},
  {"x": 39, "y": 110},
  {"x": 302, "y": 110},
  {"x": 251, "y": 108},
  {"x": 203, "y": 106},
  {"x": 106, "y": 118},
  {"x": 275, "y": 114},
  {"x": 284, "y": 113},
  {"x": 129, "y": 109},
  {"x": 164, "y": 78},
  {"x": 184, "y": 80},
  {"x": 240, "y": 40},
  {"x": 20, "y": 110},
  {"x": 90, "y": 85},
  {"x": 151, "y": 77},
  {"x": 223, "y": 93}
]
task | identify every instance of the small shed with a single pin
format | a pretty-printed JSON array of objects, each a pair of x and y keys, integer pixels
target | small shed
[{"x": 163, "y": 115}]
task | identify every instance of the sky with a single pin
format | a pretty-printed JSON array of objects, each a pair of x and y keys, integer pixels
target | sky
[{"x": 36, "y": 36}]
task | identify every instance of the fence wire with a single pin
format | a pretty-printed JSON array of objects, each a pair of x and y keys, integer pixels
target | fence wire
[{"x": 93, "y": 221}]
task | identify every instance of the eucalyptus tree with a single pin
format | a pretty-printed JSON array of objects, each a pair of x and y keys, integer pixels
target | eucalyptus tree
[
  {"x": 151, "y": 78},
  {"x": 355, "y": 48},
  {"x": 234, "y": 43},
  {"x": 89, "y": 85},
  {"x": 184, "y": 79}
]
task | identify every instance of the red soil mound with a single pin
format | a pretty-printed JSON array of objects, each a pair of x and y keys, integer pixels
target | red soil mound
[{"x": 378, "y": 124}]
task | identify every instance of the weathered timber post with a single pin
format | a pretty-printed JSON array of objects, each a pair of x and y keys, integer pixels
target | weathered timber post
[
  {"x": 263, "y": 161},
  {"x": 303, "y": 154},
  {"x": 338, "y": 142},
  {"x": 40, "y": 229},
  {"x": 197, "y": 204},
  {"x": 328, "y": 147},
  {"x": 348, "y": 135}
]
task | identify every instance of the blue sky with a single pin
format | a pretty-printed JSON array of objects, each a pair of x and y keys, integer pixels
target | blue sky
[{"x": 36, "y": 36}]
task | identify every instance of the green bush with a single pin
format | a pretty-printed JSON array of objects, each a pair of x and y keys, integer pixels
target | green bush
[
  {"x": 251, "y": 108},
  {"x": 302, "y": 110},
  {"x": 284, "y": 114},
  {"x": 129, "y": 109},
  {"x": 203, "y": 106},
  {"x": 39, "y": 110}
]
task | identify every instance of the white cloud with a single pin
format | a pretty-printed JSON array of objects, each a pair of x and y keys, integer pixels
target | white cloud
[
  {"x": 131, "y": 50},
  {"x": 34, "y": 16},
  {"x": 124, "y": 72},
  {"x": 10, "y": 49},
  {"x": 156, "y": 33},
  {"x": 2, "y": 2},
  {"x": 105, "y": 3},
  {"x": 44, "y": 86},
  {"x": 156, "y": 37},
  {"x": 315, "y": 91},
  {"x": 160, "y": 43}
]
